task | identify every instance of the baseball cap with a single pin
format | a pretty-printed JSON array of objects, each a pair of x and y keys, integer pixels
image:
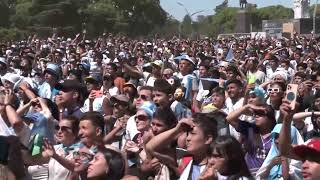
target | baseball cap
[
  {"x": 94, "y": 78},
  {"x": 53, "y": 69},
  {"x": 157, "y": 63},
  {"x": 69, "y": 85},
  {"x": 119, "y": 98},
  {"x": 310, "y": 149}
]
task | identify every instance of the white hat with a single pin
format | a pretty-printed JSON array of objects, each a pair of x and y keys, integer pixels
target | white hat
[
  {"x": 3, "y": 60},
  {"x": 11, "y": 77},
  {"x": 282, "y": 72}
]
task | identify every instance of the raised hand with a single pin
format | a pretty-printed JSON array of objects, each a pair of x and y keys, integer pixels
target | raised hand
[{"x": 48, "y": 150}]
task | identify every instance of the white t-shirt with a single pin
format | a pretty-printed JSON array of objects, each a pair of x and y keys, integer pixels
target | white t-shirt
[
  {"x": 131, "y": 128},
  {"x": 97, "y": 105},
  {"x": 56, "y": 170},
  {"x": 231, "y": 107}
]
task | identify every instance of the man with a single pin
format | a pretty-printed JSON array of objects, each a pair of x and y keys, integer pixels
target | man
[
  {"x": 51, "y": 76},
  {"x": 70, "y": 97},
  {"x": 95, "y": 100},
  {"x": 309, "y": 153},
  {"x": 254, "y": 72},
  {"x": 234, "y": 101}
]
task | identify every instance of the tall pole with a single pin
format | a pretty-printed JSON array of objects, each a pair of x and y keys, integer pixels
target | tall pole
[{"x": 314, "y": 17}]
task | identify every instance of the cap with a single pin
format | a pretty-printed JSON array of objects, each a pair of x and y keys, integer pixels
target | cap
[
  {"x": 120, "y": 98},
  {"x": 149, "y": 108},
  {"x": 94, "y": 78},
  {"x": 129, "y": 84},
  {"x": 3, "y": 61},
  {"x": 310, "y": 149},
  {"x": 11, "y": 77},
  {"x": 53, "y": 69},
  {"x": 187, "y": 58},
  {"x": 158, "y": 63},
  {"x": 69, "y": 85}
]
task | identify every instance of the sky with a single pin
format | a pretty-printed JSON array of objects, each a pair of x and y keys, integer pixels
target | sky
[{"x": 207, "y": 6}]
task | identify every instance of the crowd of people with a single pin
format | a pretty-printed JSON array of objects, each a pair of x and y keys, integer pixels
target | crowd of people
[{"x": 120, "y": 108}]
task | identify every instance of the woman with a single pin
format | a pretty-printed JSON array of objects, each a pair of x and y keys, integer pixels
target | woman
[
  {"x": 276, "y": 92},
  {"x": 276, "y": 166},
  {"x": 107, "y": 164},
  {"x": 202, "y": 130},
  {"x": 255, "y": 136},
  {"x": 226, "y": 161}
]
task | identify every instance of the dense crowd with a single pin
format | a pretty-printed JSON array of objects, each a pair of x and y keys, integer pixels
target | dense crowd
[{"x": 120, "y": 108}]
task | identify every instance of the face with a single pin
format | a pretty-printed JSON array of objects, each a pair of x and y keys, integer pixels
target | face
[
  {"x": 301, "y": 69},
  {"x": 310, "y": 170},
  {"x": 254, "y": 99},
  {"x": 66, "y": 96},
  {"x": 90, "y": 86},
  {"x": 161, "y": 99},
  {"x": 218, "y": 100},
  {"x": 230, "y": 75},
  {"x": 88, "y": 133},
  {"x": 142, "y": 120},
  {"x": 196, "y": 141},
  {"x": 233, "y": 90},
  {"x": 119, "y": 109},
  {"x": 184, "y": 66},
  {"x": 64, "y": 132},
  {"x": 82, "y": 159},
  {"x": 202, "y": 71},
  {"x": 298, "y": 80},
  {"x": 144, "y": 95},
  {"x": 8, "y": 85},
  {"x": 158, "y": 126},
  {"x": 218, "y": 161},
  {"x": 317, "y": 103},
  {"x": 98, "y": 166},
  {"x": 49, "y": 77},
  {"x": 261, "y": 120},
  {"x": 275, "y": 92}
]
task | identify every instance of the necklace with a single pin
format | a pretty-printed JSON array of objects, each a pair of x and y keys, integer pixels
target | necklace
[{"x": 262, "y": 153}]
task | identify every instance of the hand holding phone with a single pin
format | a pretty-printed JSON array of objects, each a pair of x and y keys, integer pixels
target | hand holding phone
[{"x": 291, "y": 95}]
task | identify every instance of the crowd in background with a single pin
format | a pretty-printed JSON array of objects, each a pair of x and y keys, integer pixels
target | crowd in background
[{"x": 121, "y": 108}]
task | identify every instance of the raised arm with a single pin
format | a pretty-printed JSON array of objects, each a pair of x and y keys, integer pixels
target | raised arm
[
  {"x": 285, "y": 147},
  {"x": 164, "y": 139}
]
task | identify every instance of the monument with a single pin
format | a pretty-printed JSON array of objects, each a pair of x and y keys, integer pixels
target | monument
[
  {"x": 243, "y": 19},
  {"x": 301, "y": 9}
]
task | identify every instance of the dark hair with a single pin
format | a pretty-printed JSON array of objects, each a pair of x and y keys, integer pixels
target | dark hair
[
  {"x": 162, "y": 85},
  {"x": 304, "y": 65},
  {"x": 229, "y": 148},
  {"x": 235, "y": 81},
  {"x": 113, "y": 66},
  {"x": 98, "y": 55},
  {"x": 116, "y": 164},
  {"x": 167, "y": 116},
  {"x": 149, "y": 88},
  {"x": 95, "y": 118},
  {"x": 205, "y": 65},
  {"x": 74, "y": 123},
  {"x": 300, "y": 74},
  {"x": 207, "y": 124},
  {"x": 218, "y": 90},
  {"x": 280, "y": 84}
]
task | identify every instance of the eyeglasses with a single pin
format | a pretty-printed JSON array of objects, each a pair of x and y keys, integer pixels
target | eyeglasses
[
  {"x": 142, "y": 117},
  {"x": 275, "y": 90},
  {"x": 63, "y": 128},
  {"x": 166, "y": 75},
  {"x": 82, "y": 156}
]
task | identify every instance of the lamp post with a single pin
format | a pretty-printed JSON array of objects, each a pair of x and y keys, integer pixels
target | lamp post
[
  {"x": 190, "y": 15},
  {"x": 314, "y": 17}
]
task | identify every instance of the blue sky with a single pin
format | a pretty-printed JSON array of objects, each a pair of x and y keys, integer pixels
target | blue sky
[{"x": 207, "y": 6}]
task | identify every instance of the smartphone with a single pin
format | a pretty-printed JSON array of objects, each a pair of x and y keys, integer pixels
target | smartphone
[
  {"x": 291, "y": 95},
  {"x": 4, "y": 150}
]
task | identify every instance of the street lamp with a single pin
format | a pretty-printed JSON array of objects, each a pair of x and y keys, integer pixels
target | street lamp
[
  {"x": 190, "y": 15},
  {"x": 314, "y": 17}
]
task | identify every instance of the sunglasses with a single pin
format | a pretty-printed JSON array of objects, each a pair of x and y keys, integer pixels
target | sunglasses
[
  {"x": 275, "y": 90},
  {"x": 142, "y": 117},
  {"x": 259, "y": 113},
  {"x": 84, "y": 157},
  {"x": 63, "y": 128},
  {"x": 143, "y": 97}
]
